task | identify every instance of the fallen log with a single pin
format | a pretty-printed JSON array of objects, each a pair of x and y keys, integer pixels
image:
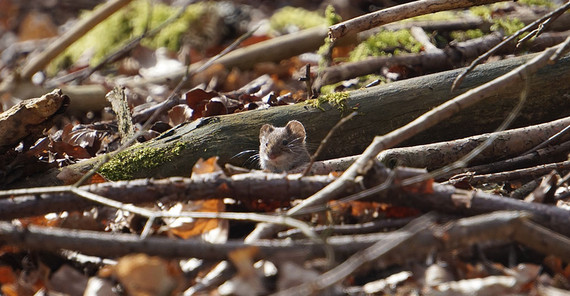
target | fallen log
[{"x": 382, "y": 109}]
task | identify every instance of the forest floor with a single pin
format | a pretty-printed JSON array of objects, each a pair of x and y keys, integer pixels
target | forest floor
[{"x": 131, "y": 161}]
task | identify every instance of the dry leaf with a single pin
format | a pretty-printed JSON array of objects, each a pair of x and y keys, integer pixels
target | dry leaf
[
  {"x": 7, "y": 275},
  {"x": 243, "y": 260},
  {"x": 142, "y": 275},
  {"x": 206, "y": 166},
  {"x": 8, "y": 13},
  {"x": 197, "y": 100},
  {"x": 215, "y": 107},
  {"x": 179, "y": 114},
  {"x": 212, "y": 230},
  {"x": 248, "y": 280},
  {"x": 185, "y": 228},
  {"x": 164, "y": 65},
  {"x": 70, "y": 176},
  {"x": 389, "y": 282},
  {"x": 37, "y": 25}
]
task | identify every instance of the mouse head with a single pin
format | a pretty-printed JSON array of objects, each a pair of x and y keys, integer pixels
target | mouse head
[
  {"x": 293, "y": 129},
  {"x": 282, "y": 148}
]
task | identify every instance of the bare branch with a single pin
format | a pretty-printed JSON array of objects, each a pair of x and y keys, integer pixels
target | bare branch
[{"x": 397, "y": 13}]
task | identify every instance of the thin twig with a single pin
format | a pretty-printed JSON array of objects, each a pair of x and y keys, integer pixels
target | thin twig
[
  {"x": 360, "y": 258},
  {"x": 463, "y": 161},
  {"x": 550, "y": 140},
  {"x": 325, "y": 140},
  {"x": 308, "y": 81},
  {"x": 422, "y": 123},
  {"x": 522, "y": 72},
  {"x": 152, "y": 215},
  {"x": 553, "y": 14},
  {"x": 511, "y": 175},
  {"x": 397, "y": 13}
]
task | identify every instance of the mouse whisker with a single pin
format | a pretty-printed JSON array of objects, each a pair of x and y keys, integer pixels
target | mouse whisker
[
  {"x": 243, "y": 153},
  {"x": 254, "y": 159}
]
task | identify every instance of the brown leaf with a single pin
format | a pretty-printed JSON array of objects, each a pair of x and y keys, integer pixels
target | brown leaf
[
  {"x": 9, "y": 13},
  {"x": 197, "y": 100},
  {"x": 37, "y": 25},
  {"x": 243, "y": 260},
  {"x": 6, "y": 275},
  {"x": 90, "y": 136},
  {"x": 69, "y": 176},
  {"x": 142, "y": 275},
  {"x": 215, "y": 107},
  {"x": 188, "y": 227},
  {"x": 179, "y": 114},
  {"x": 62, "y": 149},
  {"x": 206, "y": 166},
  {"x": 39, "y": 221}
]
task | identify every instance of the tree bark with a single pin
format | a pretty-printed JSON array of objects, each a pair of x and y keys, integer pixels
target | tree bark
[{"x": 381, "y": 109}]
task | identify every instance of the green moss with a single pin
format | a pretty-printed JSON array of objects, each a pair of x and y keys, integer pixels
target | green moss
[
  {"x": 170, "y": 36},
  {"x": 325, "y": 90},
  {"x": 336, "y": 99},
  {"x": 331, "y": 16},
  {"x": 508, "y": 26},
  {"x": 546, "y": 3},
  {"x": 483, "y": 12},
  {"x": 293, "y": 16},
  {"x": 126, "y": 164},
  {"x": 466, "y": 35},
  {"x": 384, "y": 40},
  {"x": 127, "y": 23}
]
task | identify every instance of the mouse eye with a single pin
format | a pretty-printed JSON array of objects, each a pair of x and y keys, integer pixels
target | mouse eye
[
  {"x": 284, "y": 142},
  {"x": 266, "y": 144}
]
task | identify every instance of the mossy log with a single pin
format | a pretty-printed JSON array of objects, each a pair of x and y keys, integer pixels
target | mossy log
[{"x": 381, "y": 109}]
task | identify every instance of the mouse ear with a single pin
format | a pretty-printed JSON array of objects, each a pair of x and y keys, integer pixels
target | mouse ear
[
  {"x": 265, "y": 129},
  {"x": 296, "y": 128}
]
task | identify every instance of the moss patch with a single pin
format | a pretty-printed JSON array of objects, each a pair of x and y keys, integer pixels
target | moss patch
[
  {"x": 508, "y": 26},
  {"x": 331, "y": 16},
  {"x": 337, "y": 100},
  {"x": 300, "y": 18},
  {"x": 125, "y": 165},
  {"x": 466, "y": 35},
  {"x": 546, "y": 3},
  {"x": 127, "y": 23},
  {"x": 381, "y": 42}
]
